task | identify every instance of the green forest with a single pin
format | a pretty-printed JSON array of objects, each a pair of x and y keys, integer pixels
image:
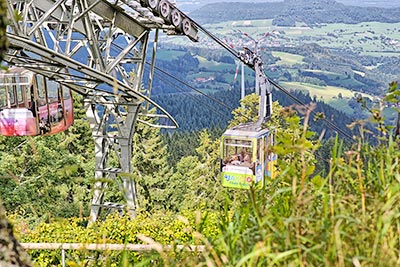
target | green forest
[{"x": 334, "y": 202}]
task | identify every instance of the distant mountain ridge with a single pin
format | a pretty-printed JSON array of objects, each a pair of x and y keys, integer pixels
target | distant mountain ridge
[{"x": 286, "y": 13}]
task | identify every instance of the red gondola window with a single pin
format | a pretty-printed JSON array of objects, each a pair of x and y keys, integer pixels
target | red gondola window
[
  {"x": 20, "y": 85},
  {"x": 10, "y": 92},
  {"x": 3, "y": 96},
  {"x": 66, "y": 93},
  {"x": 52, "y": 89},
  {"x": 41, "y": 89}
]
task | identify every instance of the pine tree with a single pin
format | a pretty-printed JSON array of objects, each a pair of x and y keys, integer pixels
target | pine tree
[
  {"x": 247, "y": 111},
  {"x": 181, "y": 197},
  {"x": 150, "y": 167},
  {"x": 205, "y": 189}
]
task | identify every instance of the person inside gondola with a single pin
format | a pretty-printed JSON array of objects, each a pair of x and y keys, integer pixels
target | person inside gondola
[
  {"x": 235, "y": 160},
  {"x": 60, "y": 114},
  {"x": 242, "y": 155},
  {"x": 44, "y": 126},
  {"x": 32, "y": 107},
  {"x": 247, "y": 160}
]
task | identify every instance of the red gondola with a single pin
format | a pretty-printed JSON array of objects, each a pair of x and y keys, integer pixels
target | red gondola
[{"x": 31, "y": 104}]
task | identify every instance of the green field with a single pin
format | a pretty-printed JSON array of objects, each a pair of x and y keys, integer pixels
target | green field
[
  {"x": 214, "y": 66},
  {"x": 331, "y": 75},
  {"x": 367, "y": 37},
  {"x": 287, "y": 59},
  {"x": 382, "y": 53},
  {"x": 328, "y": 94},
  {"x": 251, "y": 27},
  {"x": 322, "y": 92},
  {"x": 169, "y": 54}
]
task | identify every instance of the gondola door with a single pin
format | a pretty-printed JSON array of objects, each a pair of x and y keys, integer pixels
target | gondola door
[
  {"x": 42, "y": 106},
  {"x": 271, "y": 158},
  {"x": 55, "y": 106},
  {"x": 260, "y": 159}
]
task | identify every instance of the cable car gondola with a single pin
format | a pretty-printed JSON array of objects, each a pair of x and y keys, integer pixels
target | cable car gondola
[
  {"x": 32, "y": 104},
  {"x": 246, "y": 160}
]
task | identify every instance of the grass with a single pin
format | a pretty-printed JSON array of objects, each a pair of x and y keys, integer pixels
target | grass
[{"x": 347, "y": 215}]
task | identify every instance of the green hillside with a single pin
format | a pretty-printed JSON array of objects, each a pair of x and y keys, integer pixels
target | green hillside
[{"x": 287, "y": 12}]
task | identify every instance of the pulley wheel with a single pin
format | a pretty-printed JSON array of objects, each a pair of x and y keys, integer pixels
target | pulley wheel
[
  {"x": 176, "y": 18},
  {"x": 186, "y": 26},
  {"x": 153, "y": 3},
  {"x": 164, "y": 8}
]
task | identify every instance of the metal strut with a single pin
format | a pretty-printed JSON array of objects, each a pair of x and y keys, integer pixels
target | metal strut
[
  {"x": 107, "y": 143},
  {"x": 262, "y": 85},
  {"x": 98, "y": 48}
]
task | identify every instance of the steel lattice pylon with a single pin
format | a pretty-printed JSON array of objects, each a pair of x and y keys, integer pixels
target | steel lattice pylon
[{"x": 99, "y": 49}]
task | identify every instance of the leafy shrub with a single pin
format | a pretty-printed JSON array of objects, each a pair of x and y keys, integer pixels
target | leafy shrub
[{"x": 163, "y": 228}]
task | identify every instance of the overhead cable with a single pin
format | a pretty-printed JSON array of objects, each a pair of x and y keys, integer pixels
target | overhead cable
[
  {"x": 191, "y": 96},
  {"x": 285, "y": 91}
]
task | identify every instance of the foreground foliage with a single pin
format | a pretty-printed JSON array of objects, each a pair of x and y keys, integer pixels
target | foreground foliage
[
  {"x": 349, "y": 216},
  {"x": 162, "y": 228}
]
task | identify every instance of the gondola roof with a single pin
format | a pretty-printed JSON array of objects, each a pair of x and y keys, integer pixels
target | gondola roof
[{"x": 245, "y": 133}]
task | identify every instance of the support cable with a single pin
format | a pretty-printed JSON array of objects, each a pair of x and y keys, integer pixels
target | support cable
[
  {"x": 217, "y": 40},
  {"x": 295, "y": 99},
  {"x": 285, "y": 91},
  {"x": 235, "y": 53},
  {"x": 209, "y": 107},
  {"x": 198, "y": 91}
]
